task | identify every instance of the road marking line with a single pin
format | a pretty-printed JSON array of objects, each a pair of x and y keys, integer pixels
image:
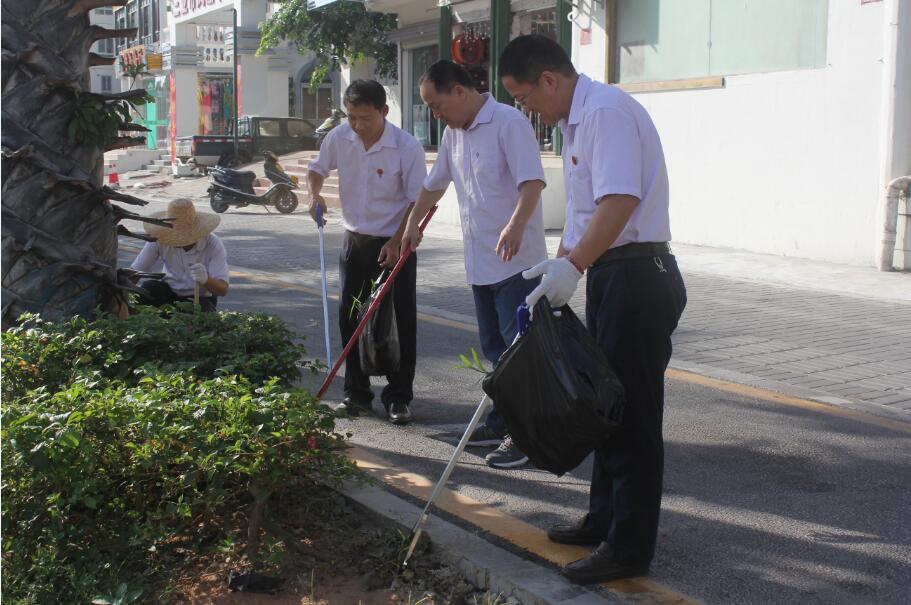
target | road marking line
[
  {"x": 504, "y": 526},
  {"x": 788, "y": 400}
]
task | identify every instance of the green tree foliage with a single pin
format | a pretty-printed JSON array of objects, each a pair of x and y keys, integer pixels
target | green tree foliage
[{"x": 339, "y": 34}]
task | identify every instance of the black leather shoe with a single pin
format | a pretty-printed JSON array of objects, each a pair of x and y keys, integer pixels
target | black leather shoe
[
  {"x": 601, "y": 566},
  {"x": 581, "y": 533},
  {"x": 353, "y": 408},
  {"x": 399, "y": 413}
]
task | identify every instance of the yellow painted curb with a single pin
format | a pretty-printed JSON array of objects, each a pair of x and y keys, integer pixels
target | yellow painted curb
[{"x": 506, "y": 527}]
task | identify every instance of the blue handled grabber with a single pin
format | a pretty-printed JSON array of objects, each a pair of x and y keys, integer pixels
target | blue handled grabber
[{"x": 322, "y": 267}]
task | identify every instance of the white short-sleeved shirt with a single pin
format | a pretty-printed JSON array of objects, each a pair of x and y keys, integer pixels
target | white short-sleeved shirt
[
  {"x": 377, "y": 185},
  {"x": 488, "y": 162},
  {"x": 209, "y": 252},
  {"x": 611, "y": 146}
]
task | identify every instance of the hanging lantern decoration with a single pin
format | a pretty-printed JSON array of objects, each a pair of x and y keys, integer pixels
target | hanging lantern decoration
[{"x": 467, "y": 48}]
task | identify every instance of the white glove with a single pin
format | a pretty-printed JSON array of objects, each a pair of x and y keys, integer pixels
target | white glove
[
  {"x": 558, "y": 284},
  {"x": 199, "y": 273}
]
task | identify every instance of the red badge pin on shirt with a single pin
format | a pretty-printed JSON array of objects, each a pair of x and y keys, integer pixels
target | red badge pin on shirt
[
  {"x": 575, "y": 161},
  {"x": 379, "y": 171}
]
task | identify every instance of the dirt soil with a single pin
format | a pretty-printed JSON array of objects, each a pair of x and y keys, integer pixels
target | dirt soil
[{"x": 328, "y": 552}]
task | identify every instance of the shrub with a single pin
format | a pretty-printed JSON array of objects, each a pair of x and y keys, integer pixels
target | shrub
[
  {"x": 101, "y": 477},
  {"x": 39, "y": 353}
]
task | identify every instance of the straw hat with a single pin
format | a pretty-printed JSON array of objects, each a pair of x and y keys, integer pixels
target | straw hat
[{"x": 188, "y": 226}]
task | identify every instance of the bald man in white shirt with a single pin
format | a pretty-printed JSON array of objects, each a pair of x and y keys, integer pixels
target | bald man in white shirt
[
  {"x": 617, "y": 230},
  {"x": 490, "y": 153},
  {"x": 380, "y": 169}
]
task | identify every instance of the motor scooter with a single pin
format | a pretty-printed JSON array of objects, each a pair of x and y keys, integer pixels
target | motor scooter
[
  {"x": 231, "y": 187},
  {"x": 328, "y": 124}
]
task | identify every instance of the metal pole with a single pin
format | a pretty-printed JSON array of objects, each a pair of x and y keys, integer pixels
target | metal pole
[
  {"x": 234, "y": 11},
  {"x": 523, "y": 319}
]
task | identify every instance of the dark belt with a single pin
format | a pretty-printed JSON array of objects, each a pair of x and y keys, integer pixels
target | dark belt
[{"x": 636, "y": 250}]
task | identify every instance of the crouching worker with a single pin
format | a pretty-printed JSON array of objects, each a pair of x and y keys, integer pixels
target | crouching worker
[{"x": 192, "y": 256}]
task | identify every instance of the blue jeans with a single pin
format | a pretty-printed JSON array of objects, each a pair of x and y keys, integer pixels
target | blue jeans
[{"x": 495, "y": 306}]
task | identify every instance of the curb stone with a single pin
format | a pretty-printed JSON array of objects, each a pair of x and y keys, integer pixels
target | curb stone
[{"x": 485, "y": 565}]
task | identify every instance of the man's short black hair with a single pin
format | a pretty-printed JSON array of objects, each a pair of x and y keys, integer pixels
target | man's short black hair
[
  {"x": 525, "y": 57},
  {"x": 366, "y": 92},
  {"x": 445, "y": 74}
]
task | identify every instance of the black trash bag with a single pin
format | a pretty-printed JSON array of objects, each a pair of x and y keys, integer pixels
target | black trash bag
[
  {"x": 556, "y": 391},
  {"x": 378, "y": 344},
  {"x": 248, "y": 581}
]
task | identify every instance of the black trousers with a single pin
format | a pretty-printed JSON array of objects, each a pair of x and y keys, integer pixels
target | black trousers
[
  {"x": 160, "y": 293},
  {"x": 633, "y": 307},
  {"x": 358, "y": 267}
]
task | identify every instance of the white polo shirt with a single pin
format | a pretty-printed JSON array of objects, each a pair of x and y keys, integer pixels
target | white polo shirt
[
  {"x": 209, "y": 252},
  {"x": 611, "y": 146},
  {"x": 376, "y": 185},
  {"x": 488, "y": 162}
]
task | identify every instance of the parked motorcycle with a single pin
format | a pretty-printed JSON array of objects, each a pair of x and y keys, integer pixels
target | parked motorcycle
[
  {"x": 231, "y": 187},
  {"x": 331, "y": 122},
  {"x": 275, "y": 172}
]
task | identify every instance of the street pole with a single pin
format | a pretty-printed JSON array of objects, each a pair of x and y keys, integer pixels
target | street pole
[{"x": 234, "y": 11}]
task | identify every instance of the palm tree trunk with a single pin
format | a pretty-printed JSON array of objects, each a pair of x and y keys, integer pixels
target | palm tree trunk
[{"x": 59, "y": 229}]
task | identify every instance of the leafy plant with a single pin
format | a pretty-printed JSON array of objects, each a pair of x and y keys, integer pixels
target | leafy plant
[
  {"x": 97, "y": 120},
  {"x": 473, "y": 363},
  {"x": 122, "y": 596},
  {"x": 339, "y": 34},
  {"x": 103, "y": 480}
]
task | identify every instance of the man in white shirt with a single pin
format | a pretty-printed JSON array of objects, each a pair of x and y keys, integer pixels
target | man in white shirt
[
  {"x": 617, "y": 228},
  {"x": 380, "y": 169},
  {"x": 489, "y": 151},
  {"x": 192, "y": 257}
]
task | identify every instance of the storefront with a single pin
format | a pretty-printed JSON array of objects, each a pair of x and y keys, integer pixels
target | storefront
[
  {"x": 200, "y": 61},
  {"x": 470, "y": 33}
]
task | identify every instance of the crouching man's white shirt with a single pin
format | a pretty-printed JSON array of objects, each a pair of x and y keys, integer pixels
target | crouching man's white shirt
[
  {"x": 488, "y": 162},
  {"x": 611, "y": 146},
  {"x": 376, "y": 185}
]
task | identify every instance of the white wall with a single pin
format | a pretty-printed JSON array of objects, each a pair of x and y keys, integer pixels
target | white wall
[{"x": 784, "y": 162}]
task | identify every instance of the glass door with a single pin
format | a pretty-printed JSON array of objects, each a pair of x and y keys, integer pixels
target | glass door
[{"x": 423, "y": 126}]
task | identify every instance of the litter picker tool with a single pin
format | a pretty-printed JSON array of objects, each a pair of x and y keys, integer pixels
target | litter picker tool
[
  {"x": 523, "y": 316},
  {"x": 387, "y": 285},
  {"x": 322, "y": 267}
]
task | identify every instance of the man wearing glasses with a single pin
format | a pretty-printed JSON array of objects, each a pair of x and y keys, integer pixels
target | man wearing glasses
[
  {"x": 490, "y": 152},
  {"x": 617, "y": 228}
]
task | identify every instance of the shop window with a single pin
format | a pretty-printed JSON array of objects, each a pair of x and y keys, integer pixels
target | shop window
[
  {"x": 270, "y": 128},
  {"x": 674, "y": 39},
  {"x": 470, "y": 48},
  {"x": 215, "y": 96},
  {"x": 423, "y": 125},
  {"x": 544, "y": 22}
]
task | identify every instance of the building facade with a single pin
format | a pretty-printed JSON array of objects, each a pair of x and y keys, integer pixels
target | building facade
[
  {"x": 104, "y": 78},
  {"x": 183, "y": 56},
  {"x": 783, "y": 121}
]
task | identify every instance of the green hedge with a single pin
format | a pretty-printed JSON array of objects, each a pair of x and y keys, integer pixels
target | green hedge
[
  {"x": 38, "y": 353},
  {"x": 108, "y": 456}
]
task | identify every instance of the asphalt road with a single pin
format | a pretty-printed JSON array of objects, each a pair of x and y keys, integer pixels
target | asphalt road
[{"x": 764, "y": 502}]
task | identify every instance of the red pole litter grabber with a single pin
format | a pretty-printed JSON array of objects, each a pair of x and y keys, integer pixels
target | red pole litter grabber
[{"x": 387, "y": 285}]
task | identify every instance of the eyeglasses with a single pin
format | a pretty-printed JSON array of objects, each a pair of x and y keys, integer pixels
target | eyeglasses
[{"x": 521, "y": 101}]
